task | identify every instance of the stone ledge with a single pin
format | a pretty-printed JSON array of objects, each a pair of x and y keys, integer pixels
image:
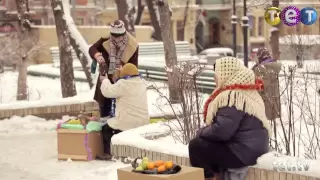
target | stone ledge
[
  {"x": 254, "y": 173},
  {"x": 51, "y": 112}
]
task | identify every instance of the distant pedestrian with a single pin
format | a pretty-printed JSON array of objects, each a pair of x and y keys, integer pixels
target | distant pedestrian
[{"x": 268, "y": 70}]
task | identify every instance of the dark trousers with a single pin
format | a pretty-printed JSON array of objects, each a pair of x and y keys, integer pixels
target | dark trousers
[
  {"x": 105, "y": 108},
  {"x": 212, "y": 156},
  {"x": 107, "y": 133}
]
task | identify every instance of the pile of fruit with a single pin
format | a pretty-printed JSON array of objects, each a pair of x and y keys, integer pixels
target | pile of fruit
[{"x": 156, "y": 166}]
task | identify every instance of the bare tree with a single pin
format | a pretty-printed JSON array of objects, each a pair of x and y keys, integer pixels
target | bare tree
[
  {"x": 18, "y": 48},
  {"x": 274, "y": 38},
  {"x": 126, "y": 14},
  {"x": 185, "y": 15},
  {"x": 187, "y": 113},
  {"x": 68, "y": 87},
  {"x": 301, "y": 45},
  {"x": 24, "y": 27},
  {"x": 78, "y": 43},
  {"x": 154, "y": 20},
  {"x": 139, "y": 12},
  {"x": 169, "y": 46}
]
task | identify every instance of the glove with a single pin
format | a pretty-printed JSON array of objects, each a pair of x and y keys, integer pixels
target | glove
[
  {"x": 103, "y": 68},
  {"x": 100, "y": 59},
  {"x": 116, "y": 75}
]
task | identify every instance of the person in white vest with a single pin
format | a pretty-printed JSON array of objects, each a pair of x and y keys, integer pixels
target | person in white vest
[{"x": 131, "y": 109}]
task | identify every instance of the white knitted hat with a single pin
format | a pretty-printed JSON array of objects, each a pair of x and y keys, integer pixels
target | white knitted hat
[{"x": 117, "y": 28}]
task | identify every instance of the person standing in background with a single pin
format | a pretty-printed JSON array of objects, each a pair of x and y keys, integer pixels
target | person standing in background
[{"x": 111, "y": 54}]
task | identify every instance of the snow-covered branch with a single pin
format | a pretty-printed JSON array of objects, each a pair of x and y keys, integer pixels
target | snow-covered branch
[{"x": 74, "y": 32}]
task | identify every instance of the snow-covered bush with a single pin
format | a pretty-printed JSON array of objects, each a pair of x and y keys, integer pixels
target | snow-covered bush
[{"x": 298, "y": 130}]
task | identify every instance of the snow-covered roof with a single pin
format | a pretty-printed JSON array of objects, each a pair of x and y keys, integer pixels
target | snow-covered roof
[{"x": 300, "y": 39}]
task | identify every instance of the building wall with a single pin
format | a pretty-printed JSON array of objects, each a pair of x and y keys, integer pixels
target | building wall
[
  {"x": 48, "y": 37},
  {"x": 256, "y": 38}
]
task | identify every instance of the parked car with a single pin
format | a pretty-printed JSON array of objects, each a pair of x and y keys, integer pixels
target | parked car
[{"x": 211, "y": 54}]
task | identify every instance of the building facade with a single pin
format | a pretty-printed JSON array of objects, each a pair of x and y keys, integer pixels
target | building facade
[
  {"x": 217, "y": 30},
  {"x": 98, "y": 13}
]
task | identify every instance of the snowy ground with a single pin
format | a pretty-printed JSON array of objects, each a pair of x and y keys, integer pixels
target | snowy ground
[
  {"x": 29, "y": 152},
  {"x": 39, "y": 88}
]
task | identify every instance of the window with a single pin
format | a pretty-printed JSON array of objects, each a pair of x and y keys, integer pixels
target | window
[
  {"x": 180, "y": 31},
  {"x": 252, "y": 25},
  {"x": 79, "y": 21},
  {"x": 261, "y": 26},
  {"x": 36, "y": 21}
]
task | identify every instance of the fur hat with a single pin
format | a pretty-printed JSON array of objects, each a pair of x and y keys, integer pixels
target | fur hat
[
  {"x": 117, "y": 28},
  {"x": 129, "y": 70}
]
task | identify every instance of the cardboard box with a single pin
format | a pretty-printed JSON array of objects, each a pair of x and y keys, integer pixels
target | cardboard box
[
  {"x": 186, "y": 173},
  {"x": 71, "y": 144}
]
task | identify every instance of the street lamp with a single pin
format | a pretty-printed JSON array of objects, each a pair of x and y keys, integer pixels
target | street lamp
[
  {"x": 234, "y": 28},
  {"x": 245, "y": 26}
]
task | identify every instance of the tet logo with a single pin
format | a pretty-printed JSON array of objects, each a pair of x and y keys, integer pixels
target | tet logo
[{"x": 291, "y": 16}]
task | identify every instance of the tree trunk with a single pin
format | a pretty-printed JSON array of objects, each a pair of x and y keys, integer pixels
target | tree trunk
[
  {"x": 125, "y": 13},
  {"x": 68, "y": 87},
  {"x": 22, "y": 80},
  {"x": 274, "y": 38},
  {"x": 24, "y": 27},
  {"x": 185, "y": 16},
  {"x": 169, "y": 47},
  {"x": 154, "y": 20},
  {"x": 81, "y": 52},
  {"x": 139, "y": 12},
  {"x": 83, "y": 60}
]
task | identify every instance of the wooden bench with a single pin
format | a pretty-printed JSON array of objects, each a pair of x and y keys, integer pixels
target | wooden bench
[{"x": 148, "y": 52}]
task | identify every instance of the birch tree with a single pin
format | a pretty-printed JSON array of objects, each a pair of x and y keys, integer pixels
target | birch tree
[
  {"x": 68, "y": 87},
  {"x": 126, "y": 14},
  {"x": 169, "y": 46}
]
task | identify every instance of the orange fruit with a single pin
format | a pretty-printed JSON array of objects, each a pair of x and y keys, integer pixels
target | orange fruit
[
  {"x": 169, "y": 164},
  {"x": 151, "y": 165},
  {"x": 159, "y": 163},
  {"x": 162, "y": 168}
]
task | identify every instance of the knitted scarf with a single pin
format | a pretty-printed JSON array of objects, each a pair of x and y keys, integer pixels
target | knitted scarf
[{"x": 116, "y": 53}]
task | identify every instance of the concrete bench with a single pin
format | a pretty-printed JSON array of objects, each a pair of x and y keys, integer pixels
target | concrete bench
[{"x": 148, "y": 52}]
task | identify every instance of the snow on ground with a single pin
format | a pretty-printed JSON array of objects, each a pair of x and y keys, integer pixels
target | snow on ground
[
  {"x": 29, "y": 152},
  {"x": 47, "y": 92},
  {"x": 39, "y": 88}
]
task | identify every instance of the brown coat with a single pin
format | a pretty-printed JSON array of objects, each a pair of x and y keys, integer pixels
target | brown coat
[
  {"x": 130, "y": 55},
  {"x": 269, "y": 73}
]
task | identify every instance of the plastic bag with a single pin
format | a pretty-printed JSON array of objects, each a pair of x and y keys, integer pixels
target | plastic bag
[
  {"x": 72, "y": 126},
  {"x": 94, "y": 126}
]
